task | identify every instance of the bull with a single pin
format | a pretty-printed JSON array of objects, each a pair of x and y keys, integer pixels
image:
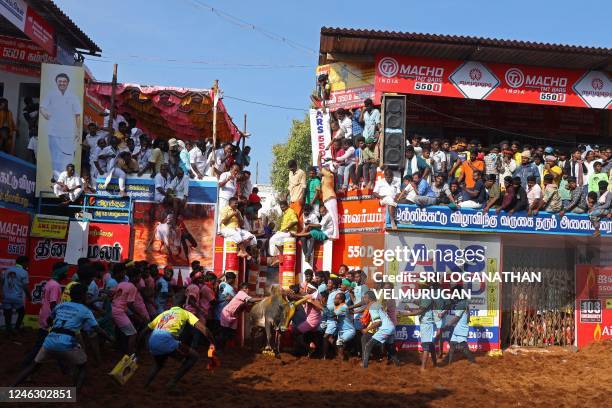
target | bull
[{"x": 272, "y": 315}]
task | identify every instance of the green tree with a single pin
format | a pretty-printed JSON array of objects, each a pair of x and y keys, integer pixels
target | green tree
[{"x": 297, "y": 147}]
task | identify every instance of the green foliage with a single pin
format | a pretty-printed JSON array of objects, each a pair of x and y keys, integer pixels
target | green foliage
[{"x": 298, "y": 147}]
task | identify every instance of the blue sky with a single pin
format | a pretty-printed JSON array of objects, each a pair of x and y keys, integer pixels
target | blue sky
[{"x": 159, "y": 30}]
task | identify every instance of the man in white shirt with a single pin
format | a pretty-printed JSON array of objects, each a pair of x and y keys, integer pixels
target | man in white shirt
[
  {"x": 91, "y": 141},
  {"x": 162, "y": 183},
  {"x": 387, "y": 191},
  {"x": 68, "y": 186},
  {"x": 345, "y": 123},
  {"x": 438, "y": 158},
  {"x": 228, "y": 186},
  {"x": 370, "y": 119},
  {"x": 98, "y": 167},
  {"x": 110, "y": 154},
  {"x": 534, "y": 192},
  {"x": 180, "y": 186},
  {"x": 144, "y": 154},
  {"x": 62, "y": 109},
  {"x": 217, "y": 160},
  {"x": 197, "y": 161}
]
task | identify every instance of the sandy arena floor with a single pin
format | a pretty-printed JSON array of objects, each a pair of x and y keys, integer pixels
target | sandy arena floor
[{"x": 555, "y": 377}]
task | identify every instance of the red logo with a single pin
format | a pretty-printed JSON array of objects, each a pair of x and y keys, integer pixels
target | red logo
[
  {"x": 475, "y": 74},
  {"x": 597, "y": 84}
]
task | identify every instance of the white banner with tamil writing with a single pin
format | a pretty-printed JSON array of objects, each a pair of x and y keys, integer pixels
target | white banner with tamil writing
[{"x": 320, "y": 133}]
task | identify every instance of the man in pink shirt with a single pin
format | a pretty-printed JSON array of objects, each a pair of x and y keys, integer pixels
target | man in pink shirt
[
  {"x": 123, "y": 300},
  {"x": 51, "y": 296},
  {"x": 230, "y": 313},
  {"x": 207, "y": 295},
  {"x": 313, "y": 309}
]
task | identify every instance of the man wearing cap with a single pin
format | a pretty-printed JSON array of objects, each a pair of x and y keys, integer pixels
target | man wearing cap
[{"x": 526, "y": 169}]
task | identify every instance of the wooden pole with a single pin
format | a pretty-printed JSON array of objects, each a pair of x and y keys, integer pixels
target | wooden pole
[
  {"x": 112, "y": 101},
  {"x": 215, "y": 98},
  {"x": 256, "y": 172}
]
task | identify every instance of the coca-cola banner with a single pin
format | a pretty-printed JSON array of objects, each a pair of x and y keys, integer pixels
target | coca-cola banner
[{"x": 495, "y": 82}]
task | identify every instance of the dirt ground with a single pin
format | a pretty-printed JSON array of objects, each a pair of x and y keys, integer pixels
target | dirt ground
[{"x": 555, "y": 377}]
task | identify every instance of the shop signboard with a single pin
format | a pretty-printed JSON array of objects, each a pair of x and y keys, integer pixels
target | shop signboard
[
  {"x": 411, "y": 217},
  {"x": 493, "y": 82}
]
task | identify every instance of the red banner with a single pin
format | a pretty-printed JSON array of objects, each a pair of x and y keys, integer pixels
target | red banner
[
  {"x": 495, "y": 82},
  {"x": 40, "y": 31},
  {"x": 14, "y": 230},
  {"x": 360, "y": 214},
  {"x": 22, "y": 51},
  {"x": 593, "y": 304},
  {"x": 356, "y": 251},
  {"x": 107, "y": 243}
]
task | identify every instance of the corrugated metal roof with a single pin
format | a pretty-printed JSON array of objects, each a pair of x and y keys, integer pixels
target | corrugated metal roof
[
  {"x": 348, "y": 41},
  {"x": 64, "y": 25}
]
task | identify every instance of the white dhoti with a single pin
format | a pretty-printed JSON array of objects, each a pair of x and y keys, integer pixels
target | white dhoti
[
  {"x": 277, "y": 240},
  {"x": 239, "y": 236},
  {"x": 72, "y": 195},
  {"x": 120, "y": 174},
  {"x": 388, "y": 200},
  {"x": 332, "y": 208},
  {"x": 61, "y": 151}
]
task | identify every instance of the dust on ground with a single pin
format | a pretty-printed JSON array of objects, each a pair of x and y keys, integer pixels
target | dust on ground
[{"x": 554, "y": 378}]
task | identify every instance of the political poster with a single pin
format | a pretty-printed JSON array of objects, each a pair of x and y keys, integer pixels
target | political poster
[
  {"x": 60, "y": 123},
  {"x": 439, "y": 253}
]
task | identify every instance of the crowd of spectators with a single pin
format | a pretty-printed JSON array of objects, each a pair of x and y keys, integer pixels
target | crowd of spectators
[{"x": 509, "y": 176}]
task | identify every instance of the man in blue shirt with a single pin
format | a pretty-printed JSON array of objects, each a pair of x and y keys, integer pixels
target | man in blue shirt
[
  {"x": 357, "y": 128},
  {"x": 476, "y": 196},
  {"x": 370, "y": 119},
  {"x": 381, "y": 323},
  {"x": 331, "y": 326},
  {"x": 526, "y": 169},
  {"x": 459, "y": 321},
  {"x": 425, "y": 195},
  {"x": 14, "y": 282},
  {"x": 61, "y": 343}
]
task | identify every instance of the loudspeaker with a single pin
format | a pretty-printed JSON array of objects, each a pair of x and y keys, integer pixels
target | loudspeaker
[{"x": 394, "y": 131}]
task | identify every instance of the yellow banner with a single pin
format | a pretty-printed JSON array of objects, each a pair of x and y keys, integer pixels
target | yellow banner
[{"x": 47, "y": 226}]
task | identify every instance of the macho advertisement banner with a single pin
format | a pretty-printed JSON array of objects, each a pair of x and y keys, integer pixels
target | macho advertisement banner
[
  {"x": 474, "y": 254},
  {"x": 17, "y": 183},
  {"x": 351, "y": 84},
  {"x": 14, "y": 229},
  {"x": 410, "y": 216},
  {"x": 495, "y": 82},
  {"x": 320, "y": 133},
  {"x": 593, "y": 304},
  {"x": 60, "y": 123}
]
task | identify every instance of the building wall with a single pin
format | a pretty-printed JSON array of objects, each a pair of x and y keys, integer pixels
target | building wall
[{"x": 12, "y": 91}]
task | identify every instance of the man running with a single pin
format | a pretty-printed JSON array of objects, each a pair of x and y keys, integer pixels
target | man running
[
  {"x": 61, "y": 343},
  {"x": 165, "y": 342}
]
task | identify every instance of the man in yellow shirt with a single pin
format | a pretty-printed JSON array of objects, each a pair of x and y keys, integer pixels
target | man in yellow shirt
[
  {"x": 167, "y": 329},
  {"x": 289, "y": 224},
  {"x": 551, "y": 168},
  {"x": 231, "y": 223},
  {"x": 297, "y": 187}
]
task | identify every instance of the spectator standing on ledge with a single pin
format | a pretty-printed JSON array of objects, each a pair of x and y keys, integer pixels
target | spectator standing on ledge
[{"x": 297, "y": 187}]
